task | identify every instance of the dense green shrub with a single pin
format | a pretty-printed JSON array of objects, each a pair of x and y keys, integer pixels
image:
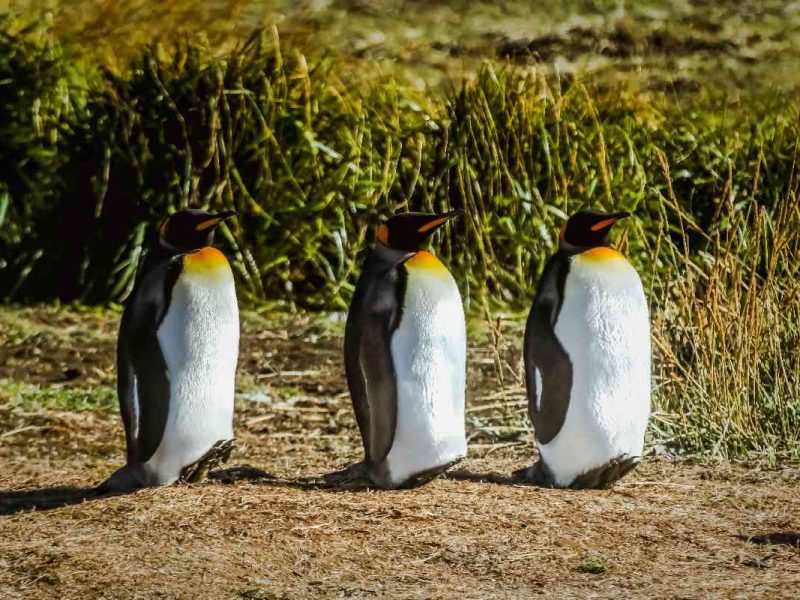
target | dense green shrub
[{"x": 89, "y": 160}]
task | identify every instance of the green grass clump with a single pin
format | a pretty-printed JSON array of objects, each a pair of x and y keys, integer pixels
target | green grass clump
[
  {"x": 37, "y": 98},
  {"x": 312, "y": 160},
  {"x": 30, "y": 397},
  {"x": 593, "y": 566}
]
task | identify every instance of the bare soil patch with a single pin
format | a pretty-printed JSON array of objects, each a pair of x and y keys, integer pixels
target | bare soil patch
[{"x": 673, "y": 529}]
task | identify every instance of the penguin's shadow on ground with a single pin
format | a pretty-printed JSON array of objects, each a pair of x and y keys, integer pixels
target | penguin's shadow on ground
[
  {"x": 252, "y": 474},
  {"x": 775, "y": 538},
  {"x": 12, "y": 502},
  {"x": 496, "y": 478},
  {"x": 41, "y": 499}
]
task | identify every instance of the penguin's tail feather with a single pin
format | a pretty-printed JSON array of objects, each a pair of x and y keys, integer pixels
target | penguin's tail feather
[
  {"x": 219, "y": 453},
  {"x": 606, "y": 475}
]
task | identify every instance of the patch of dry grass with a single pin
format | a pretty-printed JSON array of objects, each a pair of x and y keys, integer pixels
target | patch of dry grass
[{"x": 670, "y": 530}]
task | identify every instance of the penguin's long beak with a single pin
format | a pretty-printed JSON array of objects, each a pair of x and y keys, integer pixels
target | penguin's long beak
[
  {"x": 215, "y": 220},
  {"x": 437, "y": 221},
  {"x": 227, "y": 214},
  {"x": 610, "y": 220}
]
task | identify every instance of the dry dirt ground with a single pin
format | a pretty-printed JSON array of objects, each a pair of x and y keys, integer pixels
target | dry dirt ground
[{"x": 259, "y": 529}]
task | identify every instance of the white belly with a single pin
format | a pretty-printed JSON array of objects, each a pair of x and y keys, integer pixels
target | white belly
[
  {"x": 200, "y": 341},
  {"x": 429, "y": 352},
  {"x": 605, "y": 329}
]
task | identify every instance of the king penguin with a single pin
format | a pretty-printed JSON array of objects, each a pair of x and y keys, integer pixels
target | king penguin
[
  {"x": 587, "y": 360},
  {"x": 176, "y": 357},
  {"x": 405, "y": 358}
]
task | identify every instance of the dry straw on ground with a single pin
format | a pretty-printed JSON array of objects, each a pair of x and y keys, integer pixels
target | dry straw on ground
[{"x": 670, "y": 530}]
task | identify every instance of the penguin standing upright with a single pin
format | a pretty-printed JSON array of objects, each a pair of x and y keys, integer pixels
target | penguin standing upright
[
  {"x": 176, "y": 357},
  {"x": 587, "y": 360},
  {"x": 405, "y": 357}
]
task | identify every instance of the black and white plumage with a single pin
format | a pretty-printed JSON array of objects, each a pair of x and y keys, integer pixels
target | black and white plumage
[
  {"x": 587, "y": 360},
  {"x": 405, "y": 357},
  {"x": 176, "y": 356}
]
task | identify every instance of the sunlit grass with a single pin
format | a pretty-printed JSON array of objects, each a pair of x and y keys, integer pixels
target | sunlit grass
[
  {"x": 30, "y": 397},
  {"x": 311, "y": 162}
]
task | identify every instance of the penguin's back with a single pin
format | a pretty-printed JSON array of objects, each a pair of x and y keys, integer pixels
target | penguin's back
[
  {"x": 199, "y": 338},
  {"x": 429, "y": 355},
  {"x": 604, "y": 327}
]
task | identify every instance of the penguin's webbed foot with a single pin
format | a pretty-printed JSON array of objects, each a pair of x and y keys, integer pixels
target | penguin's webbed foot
[
  {"x": 122, "y": 481},
  {"x": 355, "y": 476},
  {"x": 537, "y": 475},
  {"x": 219, "y": 453},
  {"x": 606, "y": 475}
]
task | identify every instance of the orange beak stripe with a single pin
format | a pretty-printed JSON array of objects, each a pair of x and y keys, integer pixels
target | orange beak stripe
[
  {"x": 206, "y": 224},
  {"x": 603, "y": 224},
  {"x": 163, "y": 229},
  {"x": 431, "y": 224}
]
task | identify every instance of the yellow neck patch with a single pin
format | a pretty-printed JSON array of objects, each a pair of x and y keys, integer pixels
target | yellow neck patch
[
  {"x": 601, "y": 253},
  {"x": 425, "y": 260},
  {"x": 205, "y": 260}
]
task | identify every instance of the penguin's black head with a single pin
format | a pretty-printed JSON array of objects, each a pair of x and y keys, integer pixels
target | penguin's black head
[
  {"x": 590, "y": 228},
  {"x": 192, "y": 228},
  {"x": 410, "y": 231}
]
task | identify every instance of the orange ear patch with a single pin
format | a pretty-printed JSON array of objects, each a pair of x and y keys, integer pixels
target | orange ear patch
[
  {"x": 383, "y": 234},
  {"x": 601, "y": 253},
  {"x": 431, "y": 224},
  {"x": 162, "y": 231}
]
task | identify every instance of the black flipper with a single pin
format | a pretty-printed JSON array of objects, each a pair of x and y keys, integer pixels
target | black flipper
[
  {"x": 374, "y": 314},
  {"x": 125, "y": 379},
  {"x": 543, "y": 352},
  {"x": 140, "y": 361}
]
